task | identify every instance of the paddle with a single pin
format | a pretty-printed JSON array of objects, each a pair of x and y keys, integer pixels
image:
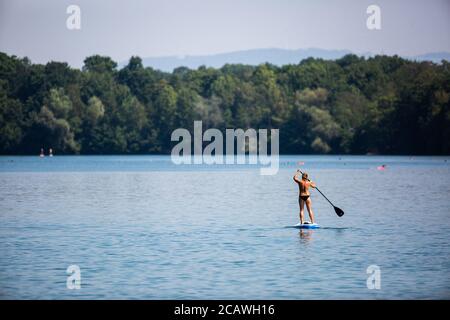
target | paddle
[{"x": 338, "y": 211}]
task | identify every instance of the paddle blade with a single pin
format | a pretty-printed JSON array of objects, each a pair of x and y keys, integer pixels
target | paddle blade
[{"x": 339, "y": 211}]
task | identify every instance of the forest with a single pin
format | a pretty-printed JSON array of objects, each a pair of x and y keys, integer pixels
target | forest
[{"x": 353, "y": 105}]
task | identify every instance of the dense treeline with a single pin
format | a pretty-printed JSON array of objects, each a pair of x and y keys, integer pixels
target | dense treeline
[{"x": 384, "y": 105}]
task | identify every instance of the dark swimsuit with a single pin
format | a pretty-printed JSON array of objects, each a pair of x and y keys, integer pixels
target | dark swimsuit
[{"x": 304, "y": 198}]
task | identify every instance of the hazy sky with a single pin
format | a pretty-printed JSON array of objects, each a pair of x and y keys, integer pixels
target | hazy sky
[{"x": 121, "y": 28}]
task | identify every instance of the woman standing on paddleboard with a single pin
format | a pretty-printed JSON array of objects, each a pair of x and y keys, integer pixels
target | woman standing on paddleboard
[{"x": 304, "y": 197}]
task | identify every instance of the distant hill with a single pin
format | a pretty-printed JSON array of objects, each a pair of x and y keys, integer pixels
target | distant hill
[
  {"x": 250, "y": 57},
  {"x": 257, "y": 56},
  {"x": 434, "y": 57}
]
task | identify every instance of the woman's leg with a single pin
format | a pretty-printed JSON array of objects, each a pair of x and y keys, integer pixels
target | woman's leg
[
  {"x": 301, "y": 203},
  {"x": 310, "y": 212}
]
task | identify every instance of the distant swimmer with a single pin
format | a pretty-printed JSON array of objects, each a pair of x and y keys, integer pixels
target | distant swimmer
[
  {"x": 51, "y": 152},
  {"x": 304, "y": 196},
  {"x": 382, "y": 167},
  {"x": 42, "y": 153}
]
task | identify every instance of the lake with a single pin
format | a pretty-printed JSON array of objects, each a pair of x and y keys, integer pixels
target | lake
[{"x": 140, "y": 227}]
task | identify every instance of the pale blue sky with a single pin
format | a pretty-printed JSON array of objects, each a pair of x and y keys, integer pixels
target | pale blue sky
[{"x": 119, "y": 29}]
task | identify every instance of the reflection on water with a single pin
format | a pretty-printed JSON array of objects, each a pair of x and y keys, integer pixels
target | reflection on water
[
  {"x": 142, "y": 228},
  {"x": 305, "y": 235}
]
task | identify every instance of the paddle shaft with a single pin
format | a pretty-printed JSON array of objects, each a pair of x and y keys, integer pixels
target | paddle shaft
[{"x": 324, "y": 196}]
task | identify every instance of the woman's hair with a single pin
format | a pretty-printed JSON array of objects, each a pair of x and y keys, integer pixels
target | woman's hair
[{"x": 304, "y": 175}]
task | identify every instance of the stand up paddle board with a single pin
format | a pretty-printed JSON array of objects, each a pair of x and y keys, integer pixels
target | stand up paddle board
[{"x": 307, "y": 225}]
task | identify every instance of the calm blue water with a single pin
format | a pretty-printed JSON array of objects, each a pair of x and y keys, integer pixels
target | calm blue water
[{"x": 140, "y": 227}]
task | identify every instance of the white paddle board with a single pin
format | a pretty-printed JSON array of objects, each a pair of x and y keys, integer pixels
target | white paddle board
[{"x": 307, "y": 225}]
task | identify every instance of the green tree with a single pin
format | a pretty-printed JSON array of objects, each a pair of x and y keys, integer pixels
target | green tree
[
  {"x": 382, "y": 104},
  {"x": 11, "y": 122},
  {"x": 95, "y": 110}
]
